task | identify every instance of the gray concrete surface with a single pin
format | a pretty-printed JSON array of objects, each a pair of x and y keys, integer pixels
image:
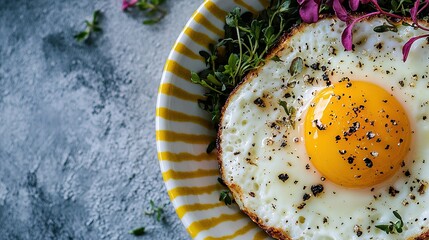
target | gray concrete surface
[{"x": 77, "y": 141}]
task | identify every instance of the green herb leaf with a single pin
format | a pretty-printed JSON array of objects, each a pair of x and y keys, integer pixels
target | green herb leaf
[
  {"x": 276, "y": 59},
  {"x": 151, "y": 9},
  {"x": 91, "y": 27},
  {"x": 220, "y": 180},
  {"x": 156, "y": 211},
  {"x": 290, "y": 112},
  {"x": 138, "y": 231},
  {"x": 385, "y": 28},
  {"x": 211, "y": 147},
  {"x": 226, "y": 197},
  {"x": 393, "y": 227},
  {"x": 81, "y": 36},
  {"x": 296, "y": 66}
]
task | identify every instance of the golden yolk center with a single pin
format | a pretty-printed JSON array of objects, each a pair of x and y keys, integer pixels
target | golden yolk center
[{"x": 356, "y": 134}]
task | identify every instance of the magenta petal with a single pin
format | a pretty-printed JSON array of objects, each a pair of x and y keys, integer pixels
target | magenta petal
[
  {"x": 407, "y": 46},
  {"x": 126, "y": 4},
  {"x": 340, "y": 11},
  {"x": 424, "y": 6},
  {"x": 354, "y": 4},
  {"x": 347, "y": 37},
  {"x": 414, "y": 10},
  {"x": 309, "y": 11}
]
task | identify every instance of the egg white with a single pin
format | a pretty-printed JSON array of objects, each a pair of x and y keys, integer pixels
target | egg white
[{"x": 252, "y": 156}]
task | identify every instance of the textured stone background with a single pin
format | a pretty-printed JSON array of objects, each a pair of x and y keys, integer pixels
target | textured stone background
[{"x": 77, "y": 146}]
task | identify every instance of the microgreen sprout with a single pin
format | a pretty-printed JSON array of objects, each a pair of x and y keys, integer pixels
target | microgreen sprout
[
  {"x": 290, "y": 113},
  {"x": 138, "y": 231},
  {"x": 393, "y": 227},
  {"x": 91, "y": 27},
  {"x": 151, "y": 9},
  {"x": 226, "y": 197},
  {"x": 156, "y": 211}
]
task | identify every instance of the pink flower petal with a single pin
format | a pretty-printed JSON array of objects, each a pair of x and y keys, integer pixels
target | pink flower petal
[
  {"x": 414, "y": 10},
  {"x": 309, "y": 10},
  {"x": 340, "y": 11},
  {"x": 354, "y": 4},
  {"x": 347, "y": 35},
  {"x": 127, "y": 4},
  {"x": 424, "y": 6},
  {"x": 407, "y": 46}
]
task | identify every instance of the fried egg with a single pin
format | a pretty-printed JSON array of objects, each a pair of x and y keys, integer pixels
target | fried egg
[{"x": 330, "y": 148}]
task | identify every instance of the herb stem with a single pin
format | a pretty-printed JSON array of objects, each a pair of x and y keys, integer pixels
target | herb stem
[{"x": 241, "y": 54}]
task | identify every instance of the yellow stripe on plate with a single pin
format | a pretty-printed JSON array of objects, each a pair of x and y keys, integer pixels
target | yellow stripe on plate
[
  {"x": 171, "y": 136},
  {"x": 177, "y": 69},
  {"x": 247, "y": 6},
  {"x": 215, "y": 10},
  {"x": 201, "y": 19},
  {"x": 182, "y": 210},
  {"x": 261, "y": 235},
  {"x": 171, "y": 174},
  {"x": 184, "y": 50},
  {"x": 265, "y": 3},
  {"x": 172, "y": 90},
  {"x": 184, "y": 156},
  {"x": 237, "y": 233},
  {"x": 176, "y": 116},
  {"x": 198, "y": 37},
  {"x": 185, "y": 191},
  {"x": 198, "y": 226}
]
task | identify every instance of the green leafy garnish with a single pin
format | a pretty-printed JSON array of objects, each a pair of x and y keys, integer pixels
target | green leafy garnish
[
  {"x": 244, "y": 47},
  {"x": 393, "y": 226},
  {"x": 276, "y": 59},
  {"x": 150, "y": 8},
  {"x": 385, "y": 28},
  {"x": 296, "y": 66},
  {"x": 138, "y": 231},
  {"x": 226, "y": 196},
  {"x": 90, "y": 28},
  {"x": 290, "y": 112},
  {"x": 156, "y": 211},
  {"x": 220, "y": 180}
]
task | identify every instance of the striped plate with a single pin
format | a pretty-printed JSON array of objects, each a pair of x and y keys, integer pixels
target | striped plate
[{"x": 183, "y": 132}]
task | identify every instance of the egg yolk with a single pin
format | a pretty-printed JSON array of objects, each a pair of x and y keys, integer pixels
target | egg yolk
[{"x": 356, "y": 134}]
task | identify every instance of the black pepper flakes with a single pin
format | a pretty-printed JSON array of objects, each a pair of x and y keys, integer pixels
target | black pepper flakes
[
  {"x": 370, "y": 135},
  {"x": 306, "y": 196},
  {"x": 283, "y": 177},
  {"x": 315, "y": 66},
  {"x": 317, "y": 189},
  {"x": 368, "y": 162},
  {"x": 358, "y": 230},
  {"x": 393, "y": 191},
  {"x": 259, "y": 102},
  {"x": 319, "y": 125},
  {"x": 422, "y": 188},
  {"x": 252, "y": 194},
  {"x": 407, "y": 173}
]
